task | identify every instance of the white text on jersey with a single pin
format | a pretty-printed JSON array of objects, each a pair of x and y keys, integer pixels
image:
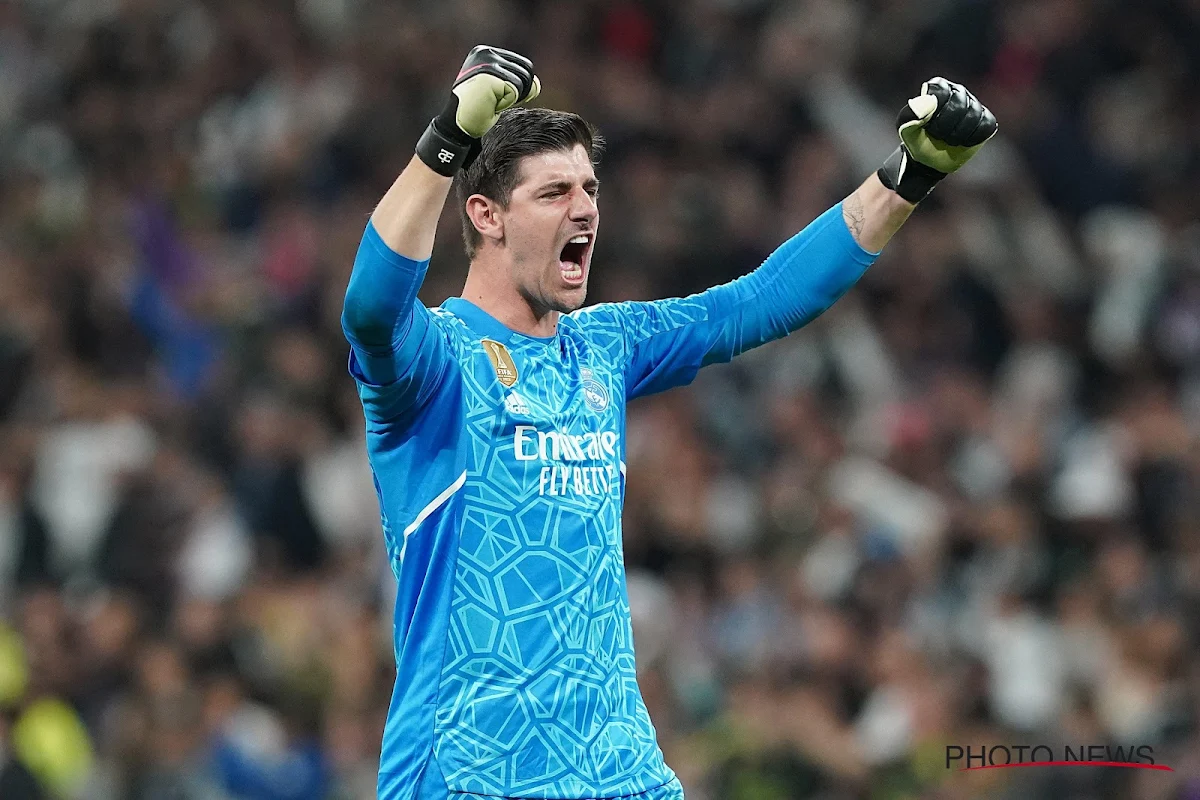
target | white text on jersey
[
  {"x": 530, "y": 444},
  {"x": 556, "y": 481}
]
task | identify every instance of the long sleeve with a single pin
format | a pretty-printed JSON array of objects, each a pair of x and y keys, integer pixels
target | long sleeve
[
  {"x": 397, "y": 354},
  {"x": 668, "y": 341}
]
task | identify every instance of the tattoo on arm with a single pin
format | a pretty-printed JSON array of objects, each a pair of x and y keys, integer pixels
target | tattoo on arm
[
  {"x": 852, "y": 212},
  {"x": 873, "y": 213}
]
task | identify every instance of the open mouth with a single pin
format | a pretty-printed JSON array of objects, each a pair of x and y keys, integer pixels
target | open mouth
[{"x": 572, "y": 261}]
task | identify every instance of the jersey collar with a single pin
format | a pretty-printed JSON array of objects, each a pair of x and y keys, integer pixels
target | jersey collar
[{"x": 482, "y": 322}]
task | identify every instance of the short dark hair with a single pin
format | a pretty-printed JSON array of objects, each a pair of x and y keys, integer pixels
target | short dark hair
[{"x": 519, "y": 132}]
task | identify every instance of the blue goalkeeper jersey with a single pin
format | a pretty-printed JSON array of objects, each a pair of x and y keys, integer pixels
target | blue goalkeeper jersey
[{"x": 499, "y": 462}]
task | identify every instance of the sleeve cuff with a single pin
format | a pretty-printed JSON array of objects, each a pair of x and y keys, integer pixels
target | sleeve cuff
[
  {"x": 380, "y": 249},
  {"x": 849, "y": 244}
]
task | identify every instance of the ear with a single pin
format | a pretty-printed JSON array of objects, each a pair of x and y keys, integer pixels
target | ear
[{"x": 484, "y": 215}]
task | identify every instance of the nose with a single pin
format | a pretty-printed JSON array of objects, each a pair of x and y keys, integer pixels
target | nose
[{"x": 583, "y": 206}]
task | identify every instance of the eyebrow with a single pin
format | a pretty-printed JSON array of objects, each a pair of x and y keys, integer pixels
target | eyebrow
[{"x": 561, "y": 185}]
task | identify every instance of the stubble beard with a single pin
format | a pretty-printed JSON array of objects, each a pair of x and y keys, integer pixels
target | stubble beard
[{"x": 563, "y": 301}]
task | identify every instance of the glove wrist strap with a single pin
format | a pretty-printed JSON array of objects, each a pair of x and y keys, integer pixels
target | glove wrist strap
[
  {"x": 444, "y": 147},
  {"x": 907, "y": 177}
]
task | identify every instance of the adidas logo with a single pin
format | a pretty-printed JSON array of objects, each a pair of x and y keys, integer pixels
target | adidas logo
[{"x": 516, "y": 404}]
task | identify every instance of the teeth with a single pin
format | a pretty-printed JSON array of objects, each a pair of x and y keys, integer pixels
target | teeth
[{"x": 580, "y": 239}]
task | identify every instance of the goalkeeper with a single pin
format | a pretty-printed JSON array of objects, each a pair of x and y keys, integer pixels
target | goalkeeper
[{"x": 496, "y": 430}]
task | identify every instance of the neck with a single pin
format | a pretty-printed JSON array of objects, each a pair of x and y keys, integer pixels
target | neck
[{"x": 490, "y": 288}]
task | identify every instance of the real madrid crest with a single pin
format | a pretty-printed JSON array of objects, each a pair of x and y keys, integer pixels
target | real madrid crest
[
  {"x": 595, "y": 393},
  {"x": 506, "y": 368}
]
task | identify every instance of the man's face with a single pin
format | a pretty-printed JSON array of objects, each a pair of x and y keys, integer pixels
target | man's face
[{"x": 550, "y": 229}]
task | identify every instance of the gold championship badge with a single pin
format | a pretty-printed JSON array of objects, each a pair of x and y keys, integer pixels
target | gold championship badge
[{"x": 506, "y": 370}]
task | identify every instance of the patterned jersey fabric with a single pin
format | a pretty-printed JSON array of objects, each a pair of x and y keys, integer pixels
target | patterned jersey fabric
[{"x": 499, "y": 461}]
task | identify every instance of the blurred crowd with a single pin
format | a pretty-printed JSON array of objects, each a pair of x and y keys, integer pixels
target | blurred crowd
[{"x": 961, "y": 508}]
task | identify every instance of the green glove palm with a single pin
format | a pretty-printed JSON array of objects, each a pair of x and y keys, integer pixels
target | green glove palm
[
  {"x": 491, "y": 80},
  {"x": 940, "y": 130}
]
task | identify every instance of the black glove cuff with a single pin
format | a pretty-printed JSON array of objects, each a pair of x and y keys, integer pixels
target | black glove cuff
[
  {"x": 442, "y": 154},
  {"x": 444, "y": 147},
  {"x": 907, "y": 177}
]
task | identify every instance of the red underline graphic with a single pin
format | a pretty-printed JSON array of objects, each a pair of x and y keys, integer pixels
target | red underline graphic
[{"x": 1126, "y": 764}]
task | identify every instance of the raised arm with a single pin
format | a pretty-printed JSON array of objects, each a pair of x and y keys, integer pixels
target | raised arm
[
  {"x": 669, "y": 340},
  {"x": 390, "y": 265},
  {"x": 490, "y": 80},
  {"x": 873, "y": 213},
  {"x": 394, "y": 357},
  {"x": 406, "y": 218},
  {"x": 940, "y": 130}
]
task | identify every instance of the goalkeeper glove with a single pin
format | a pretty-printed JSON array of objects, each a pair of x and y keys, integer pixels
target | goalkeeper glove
[
  {"x": 940, "y": 129},
  {"x": 491, "y": 80}
]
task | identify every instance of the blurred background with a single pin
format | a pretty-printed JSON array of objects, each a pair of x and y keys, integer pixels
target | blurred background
[{"x": 961, "y": 508}]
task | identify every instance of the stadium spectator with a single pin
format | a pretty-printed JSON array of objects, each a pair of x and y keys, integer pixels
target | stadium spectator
[{"x": 960, "y": 507}]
